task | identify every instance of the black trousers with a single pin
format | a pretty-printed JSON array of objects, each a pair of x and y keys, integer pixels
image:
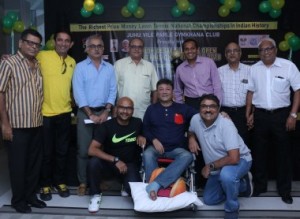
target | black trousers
[
  {"x": 193, "y": 102},
  {"x": 56, "y": 133},
  {"x": 238, "y": 117},
  {"x": 24, "y": 163},
  {"x": 270, "y": 128},
  {"x": 99, "y": 169}
]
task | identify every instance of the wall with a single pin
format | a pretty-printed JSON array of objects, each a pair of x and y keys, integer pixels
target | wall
[{"x": 30, "y": 12}]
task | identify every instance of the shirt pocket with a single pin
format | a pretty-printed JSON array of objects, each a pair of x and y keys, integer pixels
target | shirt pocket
[
  {"x": 280, "y": 84},
  {"x": 243, "y": 86},
  {"x": 146, "y": 81}
]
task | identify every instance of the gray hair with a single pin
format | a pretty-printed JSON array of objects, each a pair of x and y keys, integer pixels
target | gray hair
[
  {"x": 269, "y": 40},
  {"x": 92, "y": 37}
]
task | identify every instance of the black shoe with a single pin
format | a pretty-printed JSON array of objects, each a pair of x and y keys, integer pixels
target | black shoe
[
  {"x": 45, "y": 193},
  {"x": 62, "y": 190},
  {"x": 22, "y": 208},
  {"x": 257, "y": 193},
  {"x": 287, "y": 198},
  {"x": 37, "y": 203}
]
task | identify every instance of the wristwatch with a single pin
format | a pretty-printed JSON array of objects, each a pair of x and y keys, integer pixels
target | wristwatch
[
  {"x": 212, "y": 167},
  {"x": 294, "y": 115},
  {"x": 116, "y": 160}
]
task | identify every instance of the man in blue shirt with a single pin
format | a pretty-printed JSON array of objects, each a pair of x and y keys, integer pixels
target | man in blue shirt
[
  {"x": 164, "y": 126},
  {"x": 95, "y": 89}
]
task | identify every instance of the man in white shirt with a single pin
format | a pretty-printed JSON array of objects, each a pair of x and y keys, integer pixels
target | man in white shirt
[
  {"x": 136, "y": 78},
  {"x": 234, "y": 78},
  {"x": 269, "y": 109}
]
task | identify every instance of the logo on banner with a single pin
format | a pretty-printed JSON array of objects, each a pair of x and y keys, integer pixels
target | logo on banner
[{"x": 250, "y": 41}]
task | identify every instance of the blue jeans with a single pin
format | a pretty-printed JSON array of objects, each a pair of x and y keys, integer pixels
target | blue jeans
[
  {"x": 226, "y": 186},
  {"x": 182, "y": 159}
]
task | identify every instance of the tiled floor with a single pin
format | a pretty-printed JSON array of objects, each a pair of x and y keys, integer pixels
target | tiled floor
[{"x": 115, "y": 206}]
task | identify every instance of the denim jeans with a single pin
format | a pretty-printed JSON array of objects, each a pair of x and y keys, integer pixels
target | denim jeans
[
  {"x": 227, "y": 185},
  {"x": 182, "y": 159}
]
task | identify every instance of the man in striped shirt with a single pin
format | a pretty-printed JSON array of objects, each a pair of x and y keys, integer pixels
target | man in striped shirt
[{"x": 21, "y": 97}]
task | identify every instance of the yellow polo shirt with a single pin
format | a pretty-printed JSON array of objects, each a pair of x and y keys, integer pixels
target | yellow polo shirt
[{"x": 57, "y": 77}]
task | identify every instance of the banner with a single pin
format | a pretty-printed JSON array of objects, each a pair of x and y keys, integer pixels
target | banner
[{"x": 163, "y": 38}]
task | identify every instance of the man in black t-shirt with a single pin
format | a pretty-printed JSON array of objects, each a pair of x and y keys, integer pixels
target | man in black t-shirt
[{"x": 115, "y": 151}]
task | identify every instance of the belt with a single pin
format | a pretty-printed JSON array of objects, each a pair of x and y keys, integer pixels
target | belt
[
  {"x": 272, "y": 111},
  {"x": 192, "y": 98},
  {"x": 233, "y": 108},
  {"x": 97, "y": 109}
]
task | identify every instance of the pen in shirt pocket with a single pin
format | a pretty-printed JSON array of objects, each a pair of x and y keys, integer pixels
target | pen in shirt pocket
[{"x": 279, "y": 77}]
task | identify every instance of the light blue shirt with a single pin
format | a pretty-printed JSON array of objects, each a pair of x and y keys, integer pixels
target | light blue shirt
[
  {"x": 217, "y": 139},
  {"x": 94, "y": 87}
]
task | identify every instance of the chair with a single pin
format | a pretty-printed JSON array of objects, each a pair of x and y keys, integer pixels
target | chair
[{"x": 188, "y": 175}]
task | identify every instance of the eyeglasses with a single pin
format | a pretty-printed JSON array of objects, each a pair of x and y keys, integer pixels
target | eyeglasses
[
  {"x": 233, "y": 51},
  {"x": 32, "y": 44},
  {"x": 93, "y": 46},
  {"x": 267, "y": 49},
  {"x": 124, "y": 108},
  {"x": 136, "y": 47},
  {"x": 212, "y": 106},
  {"x": 64, "y": 67}
]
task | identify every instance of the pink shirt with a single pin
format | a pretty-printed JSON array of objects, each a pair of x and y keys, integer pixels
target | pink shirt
[{"x": 194, "y": 81}]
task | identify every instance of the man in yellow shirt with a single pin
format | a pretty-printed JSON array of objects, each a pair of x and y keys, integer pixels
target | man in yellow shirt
[{"x": 57, "y": 69}]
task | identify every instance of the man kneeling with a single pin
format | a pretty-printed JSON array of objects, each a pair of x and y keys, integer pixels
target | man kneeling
[
  {"x": 115, "y": 151},
  {"x": 227, "y": 158}
]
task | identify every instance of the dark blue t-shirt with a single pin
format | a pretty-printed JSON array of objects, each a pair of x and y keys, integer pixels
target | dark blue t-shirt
[{"x": 168, "y": 124}]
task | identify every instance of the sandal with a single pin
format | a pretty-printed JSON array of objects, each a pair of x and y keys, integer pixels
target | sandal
[
  {"x": 153, "y": 195},
  {"x": 81, "y": 189}
]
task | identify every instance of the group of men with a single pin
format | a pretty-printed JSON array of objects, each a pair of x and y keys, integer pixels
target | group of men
[{"x": 35, "y": 110}]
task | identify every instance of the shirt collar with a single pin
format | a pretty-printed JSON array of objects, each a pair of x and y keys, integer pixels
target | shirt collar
[
  {"x": 275, "y": 63},
  {"x": 213, "y": 125},
  {"x": 239, "y": 67},
  {"x": 22, "y": 57},
  {"x": 131, "y": 61},
  {"x": 89, "y": 61},
  {"x": 198, "y": 61}
]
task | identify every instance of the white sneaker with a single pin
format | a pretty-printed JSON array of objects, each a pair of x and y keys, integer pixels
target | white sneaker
[
  {"x": 124, "y": 193},
  {"x": 94, "y": 204}
]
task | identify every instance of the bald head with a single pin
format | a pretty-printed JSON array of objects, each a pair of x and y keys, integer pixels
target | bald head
[{"x": 125, "y": 101}]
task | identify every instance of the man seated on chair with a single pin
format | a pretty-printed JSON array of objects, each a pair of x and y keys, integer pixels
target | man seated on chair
[
  {"x": 227, "y": 158},
  {"x": 164, "y": 126},
  {"x": 115, "y": 151}
]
